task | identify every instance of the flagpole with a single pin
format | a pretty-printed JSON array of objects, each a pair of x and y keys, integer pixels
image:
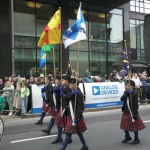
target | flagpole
[
  {"x": 129, "y": 74},
  {"x": 60, "y": 61},
  {"x": 45, "y": 69},
  {"x": 60, "y": 46},
  {"x": 54, "y": 64},
  {"x": 77, "y": 68}
]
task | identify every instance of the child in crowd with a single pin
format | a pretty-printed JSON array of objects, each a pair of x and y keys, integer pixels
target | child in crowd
[{"x": 24, "y": 98}]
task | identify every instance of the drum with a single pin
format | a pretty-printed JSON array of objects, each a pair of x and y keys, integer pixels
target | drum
[{"x": 1, "y": 128}]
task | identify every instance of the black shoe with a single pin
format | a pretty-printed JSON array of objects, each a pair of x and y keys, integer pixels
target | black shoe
[
  {"x": 70, "y": 141},
  {"x": 63, "y": 132},
  {"x": 126, "y": 139},
  {"x": 38, "y": 123},
  {"x": 57, "y": 141},
  {"x": 46, "y": 131},
  {"x": 84, "y": 148},
  {"x": 135, "y": 141}
]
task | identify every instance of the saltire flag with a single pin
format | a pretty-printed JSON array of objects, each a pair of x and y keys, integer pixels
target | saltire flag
[
  {"x": 47, "y": 48},
  {"x": 51, "y": 33},
  {"x": 76, "y": 32},
  {"x": 42, "y": 61},
  {"x": 69, "y": 69},
  {"x": 125, "y": 63}
]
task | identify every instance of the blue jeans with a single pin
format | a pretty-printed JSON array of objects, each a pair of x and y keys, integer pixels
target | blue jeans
[
  {"x": 24, "y": 104},
  {"x": 137, "y": 90}
]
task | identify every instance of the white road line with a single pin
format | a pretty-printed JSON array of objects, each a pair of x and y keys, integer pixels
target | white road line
[
  {"x": 147, "y": 121},
  {"x": 19, "y": 141}
]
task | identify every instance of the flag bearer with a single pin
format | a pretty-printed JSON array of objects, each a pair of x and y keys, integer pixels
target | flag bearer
[
  {"x": 131, "y": 121},
  {"x": 77, "y": 125},
  {"x": 61, "y": 119},
  {"x": 54, "y": 105}
]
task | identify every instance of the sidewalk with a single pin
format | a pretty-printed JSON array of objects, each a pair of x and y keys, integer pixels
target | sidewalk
[{"x": 6, "y": 118}]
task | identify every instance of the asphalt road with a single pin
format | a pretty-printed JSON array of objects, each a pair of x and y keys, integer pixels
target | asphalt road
[{"x": 104, "y": 133}]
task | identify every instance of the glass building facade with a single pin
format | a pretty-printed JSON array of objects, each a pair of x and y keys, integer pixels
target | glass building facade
[{"x": 100, "y": 53}]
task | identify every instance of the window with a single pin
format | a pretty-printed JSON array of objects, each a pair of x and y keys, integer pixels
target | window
[
  {"x": 137, "y": 39},
  {"x": 142, "y": 6}
]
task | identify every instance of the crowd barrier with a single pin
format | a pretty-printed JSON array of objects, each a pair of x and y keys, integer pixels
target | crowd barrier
[{"x": 96, "y": 95}]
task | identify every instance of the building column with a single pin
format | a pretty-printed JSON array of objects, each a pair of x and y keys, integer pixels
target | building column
[{"x": 64, "y": 26}]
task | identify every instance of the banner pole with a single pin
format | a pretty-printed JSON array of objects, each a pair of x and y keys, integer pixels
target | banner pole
[{"x": 54, "y": 64}]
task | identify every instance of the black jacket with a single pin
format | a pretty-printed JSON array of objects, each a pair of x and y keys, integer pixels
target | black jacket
[
  {"x": 79, "y": 104},
  {"x": 133, "y": 101},
  {"x": 49, "y": 94},
  {"x": 114, "y": 80},
  {"x": 1, "y": 88},
  {"x": 57, "y": 94}
]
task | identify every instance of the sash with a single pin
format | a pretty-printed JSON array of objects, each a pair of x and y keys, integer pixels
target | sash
[
  {"x": 72, "y": 114},
  {"x": 130, "y": 109}
]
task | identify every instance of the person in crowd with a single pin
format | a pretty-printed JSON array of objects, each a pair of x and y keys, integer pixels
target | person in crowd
[
  {"x": 137, "y": 81},
  {"x": 131, "y": 121},
  {"x": 14, "y": 81},
  {"x": 29, "y": 107},
  {"x": 17, "y": 96},
  {"x": 107, "y": 79},
  {"x": 114, "y": 78},
  {"x": 40, "y": 80},
  {"x": 46, "y": 91},
  {"x": 24, "y": 97},
  {"x": 97, "y": 79},
  {"x": 1, "y": 86},
  {"x": 81, "y": 79},
  {"x": 10, "y": 79},
  {"x": 9, "y": 91},
  {"x": 88, "y": 78},
  {"x": 77, "y": 126},
  {"x": 144, "y": 88}
]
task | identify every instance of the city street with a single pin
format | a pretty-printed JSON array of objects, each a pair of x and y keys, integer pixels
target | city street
[{"x": 104, "y": 133}]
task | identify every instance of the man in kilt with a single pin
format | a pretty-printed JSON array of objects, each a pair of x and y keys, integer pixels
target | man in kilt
[
  {"x": 61, "y": 119},
  {"x": 131, "y": 121},
  {"x": 45, "y": 90},
  {"x": 77, "y": 125},
  {"x": 53, "y": 108}
]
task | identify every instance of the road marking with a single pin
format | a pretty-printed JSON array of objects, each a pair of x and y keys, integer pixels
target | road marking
[
  {"x": 24, "y": 140},
  {"x": 147, "y": 121}
]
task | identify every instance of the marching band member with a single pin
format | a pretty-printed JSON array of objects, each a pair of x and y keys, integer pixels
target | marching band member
[
  {"x": 60, "y": 119},
  {"x": 77, "y": 126},
  {"x": 131, "y": 121},
  {"x": 54, "y": 105},
  {"x": 45, "y": 90}
]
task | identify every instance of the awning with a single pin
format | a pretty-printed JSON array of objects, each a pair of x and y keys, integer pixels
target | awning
[{"x": 139, "y": 65}]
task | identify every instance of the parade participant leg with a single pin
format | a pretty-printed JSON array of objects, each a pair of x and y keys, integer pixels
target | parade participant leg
[
  {"x": 41, "y": 119},
  {"x": 127, "y": 137},
  {"x": 50, "y": 126},
  {"x": 84, "y": 147},
  {"x": 136, "y": 138},
  {"x": 59, "y": 137},
  {"x": 66, "y": 142}
]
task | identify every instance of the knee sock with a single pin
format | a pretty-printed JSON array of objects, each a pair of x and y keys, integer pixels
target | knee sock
[
  {"x": 127, "y": 133},
  {"x": 42, "y": 117},
  {"x": 136, "y": 135},
  {"x": 82, "y": 140},
  {"x": 68, "y": 137},
  {"x": 59, "y": 132},
  {"x": 51, "y": 124}
]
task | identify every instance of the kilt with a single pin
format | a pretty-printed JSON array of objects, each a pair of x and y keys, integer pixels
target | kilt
[
  {"x": 51, "y": 111},
  {"x": 78, "y": 128},
  {"x": 128, "y": 125},
  {"x": 60, "y": 120},
  {"x": 44, "y": 108}
]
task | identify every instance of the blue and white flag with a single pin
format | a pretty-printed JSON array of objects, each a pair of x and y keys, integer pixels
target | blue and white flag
[{"x": 76, "y": 32}]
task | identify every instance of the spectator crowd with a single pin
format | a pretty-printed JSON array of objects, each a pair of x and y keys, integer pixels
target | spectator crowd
[{"x": 17, "y": 90}]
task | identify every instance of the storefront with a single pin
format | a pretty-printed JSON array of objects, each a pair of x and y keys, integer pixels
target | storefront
[{"x": 100, "y": 53}]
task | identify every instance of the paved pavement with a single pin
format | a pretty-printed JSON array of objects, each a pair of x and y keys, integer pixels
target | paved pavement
[{"x": 103, "y": 133}]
